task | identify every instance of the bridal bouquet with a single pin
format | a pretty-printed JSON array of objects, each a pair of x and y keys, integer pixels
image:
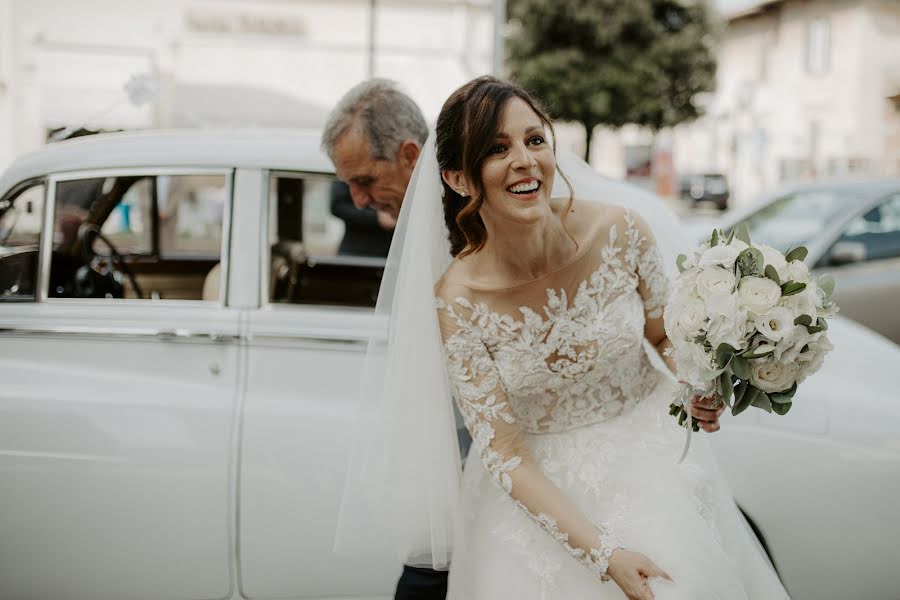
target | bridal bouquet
[{"x": 746, "y": 322}]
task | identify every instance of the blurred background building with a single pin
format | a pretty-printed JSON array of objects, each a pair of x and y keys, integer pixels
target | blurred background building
[
  {"x": 806, "y": 89},
  {"x": 107, "y": 65}
]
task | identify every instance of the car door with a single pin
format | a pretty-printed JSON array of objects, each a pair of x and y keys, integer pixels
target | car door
[
  {"x": 865, "y": 262},
  {"x": 305, "y": 351},
  {"x": 117, "y": 413}
]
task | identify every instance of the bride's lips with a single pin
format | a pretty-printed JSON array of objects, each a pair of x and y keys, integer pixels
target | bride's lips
[{"x": 525, "y": 189}]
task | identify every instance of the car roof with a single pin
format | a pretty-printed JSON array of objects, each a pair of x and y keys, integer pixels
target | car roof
[
  {"x": 276, "y": 149},
  {"x": 870, "y": 188}
]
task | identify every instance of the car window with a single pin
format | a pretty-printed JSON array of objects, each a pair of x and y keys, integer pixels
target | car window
[
  {"x": 323, "y": 250},
  {"x": 878, "y": 230},
  {"x": 129, "y": 226},
  {"x": 191, "y": 210},
  {"x": 138, "y": 237},
  {"x": 794, "y": 220},
  {"x": 21, "y": 218}
]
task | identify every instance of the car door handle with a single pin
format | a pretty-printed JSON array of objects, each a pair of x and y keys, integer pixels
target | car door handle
[{"x": 184, "y": 334}]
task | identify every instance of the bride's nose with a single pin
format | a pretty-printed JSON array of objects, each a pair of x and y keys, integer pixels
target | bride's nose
[{"x": 522, "y": 158}]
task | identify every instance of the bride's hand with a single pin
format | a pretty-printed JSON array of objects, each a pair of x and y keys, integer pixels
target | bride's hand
[
  {"x": 631, "y": 570},
  {"x": 707, "y": 411}
]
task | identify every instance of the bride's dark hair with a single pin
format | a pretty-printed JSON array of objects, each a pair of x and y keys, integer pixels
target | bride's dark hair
[{"x": 466, "y": 130}]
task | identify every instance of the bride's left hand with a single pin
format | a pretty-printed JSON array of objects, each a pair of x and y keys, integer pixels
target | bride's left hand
[{"x": 707, "y": 412}]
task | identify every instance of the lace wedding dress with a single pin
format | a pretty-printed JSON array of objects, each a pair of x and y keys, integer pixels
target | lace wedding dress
[{"x": 573, "y": 448}]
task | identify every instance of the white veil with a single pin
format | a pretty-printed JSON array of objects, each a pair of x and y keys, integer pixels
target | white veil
[{"x": 402, "y": 484}]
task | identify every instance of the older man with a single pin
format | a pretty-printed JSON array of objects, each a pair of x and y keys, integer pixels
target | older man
[{"x": 374, "y": 136}]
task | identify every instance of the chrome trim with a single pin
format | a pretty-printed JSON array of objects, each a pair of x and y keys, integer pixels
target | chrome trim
[
  {"x": 125, "y": 332},
  {"x": 139, "y": 172},
  {"x": 47, "y": 234},
  {"x": 322, "y": 343},
  {"x": 225, "y": 249}
]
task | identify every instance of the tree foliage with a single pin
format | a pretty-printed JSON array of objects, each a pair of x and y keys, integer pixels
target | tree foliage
[{"x": 613, "y": 62}]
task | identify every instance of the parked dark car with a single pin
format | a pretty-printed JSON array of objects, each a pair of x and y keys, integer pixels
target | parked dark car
[{"x": 704, "y": 187}]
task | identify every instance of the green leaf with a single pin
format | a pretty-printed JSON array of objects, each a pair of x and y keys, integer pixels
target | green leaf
[
  {"x": 804, "y": 320},
  {"x": 730, "y": 236},
  {"x": 784, "y": 396},
  {"x": 750, "y": 262},
  {"x": 727, "y": 387},
  {"x": 821, "y": 325},
  {"x": 740, "y": 390},
  {"x": 724, "y": 352},
  {"x": 792, "y": 287},
  {"x": 714, "y": 239},
  {"x": 742, "y": 233},
  {"x": 772, "y": 273},
  {"x": 826, "y": 284},
  {"x": 782, "y": 409},
  {"x": 745, "y": 401},
  {"x": 679, "y": 262},
  {"x": 761, "y": 400},
  {"x": 740, "y": 366},
  {"x": 798, "y": 253}
]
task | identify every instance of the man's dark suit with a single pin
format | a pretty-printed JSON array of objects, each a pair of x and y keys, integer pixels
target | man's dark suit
[{"x": 363, "y": 236}]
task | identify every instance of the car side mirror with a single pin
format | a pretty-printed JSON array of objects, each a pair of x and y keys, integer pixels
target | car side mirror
[{"x": 845, "y": 253}]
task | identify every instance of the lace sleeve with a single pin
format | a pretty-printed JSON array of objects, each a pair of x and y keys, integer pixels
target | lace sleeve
[
  {"x": 476, "y": 385},
  {"x": 646, "y": 260}
]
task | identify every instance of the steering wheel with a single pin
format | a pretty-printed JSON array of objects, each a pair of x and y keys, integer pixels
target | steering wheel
[{"x": 87, "y": 234}]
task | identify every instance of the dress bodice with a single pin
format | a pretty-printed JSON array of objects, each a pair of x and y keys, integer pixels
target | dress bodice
[{"x": 570, "y": 363}]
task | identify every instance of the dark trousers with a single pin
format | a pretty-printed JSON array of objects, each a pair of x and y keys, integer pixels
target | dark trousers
[{"x": 417, "y": 583}]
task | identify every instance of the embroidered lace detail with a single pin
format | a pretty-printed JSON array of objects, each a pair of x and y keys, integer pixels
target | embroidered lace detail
[{"x": 573, "y": 366}]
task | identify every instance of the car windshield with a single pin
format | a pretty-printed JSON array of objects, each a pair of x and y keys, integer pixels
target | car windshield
[{"x": 795, "y": 219}]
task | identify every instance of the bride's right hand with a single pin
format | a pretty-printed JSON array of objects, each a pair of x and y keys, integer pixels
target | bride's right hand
[{"x": 631, "y": 571}]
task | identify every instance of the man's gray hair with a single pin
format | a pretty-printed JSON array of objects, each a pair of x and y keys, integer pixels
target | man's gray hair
[{"x": 386, "y": 115}]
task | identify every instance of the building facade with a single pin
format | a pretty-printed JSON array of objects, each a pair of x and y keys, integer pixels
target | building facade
[
  {"x": 806, "y": 89},
  {"x": 107, "y": 65}
]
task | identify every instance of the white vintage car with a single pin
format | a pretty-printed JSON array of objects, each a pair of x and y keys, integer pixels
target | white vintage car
[{"x": 180, "y": 344}]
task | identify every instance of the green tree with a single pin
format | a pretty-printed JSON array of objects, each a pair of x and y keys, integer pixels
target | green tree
[{"x": 613, "y": 62}]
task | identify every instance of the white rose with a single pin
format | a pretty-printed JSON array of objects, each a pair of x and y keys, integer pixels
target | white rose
[
  {"x": 812, "y": 359},
  {"x": 715, "y": 281},
  {"x": 719, "y": 256},
  {"x": 775, "y": 258},
  {"x": 695, "y": 365},
  {"x": 775, "y": 323},
  {"x": 729, "y": 330},
  {"x": 803, "y": 303},
  {"x": 727, "y": 321},
  {"x": 758, "y": 294},
  {"x": 798, "y": 271},
  {"x": 689, "y": 317},
  {"x": 773, "y": 376}
]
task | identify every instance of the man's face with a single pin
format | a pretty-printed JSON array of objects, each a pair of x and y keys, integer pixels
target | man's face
[{"x": 380, "y": 184}]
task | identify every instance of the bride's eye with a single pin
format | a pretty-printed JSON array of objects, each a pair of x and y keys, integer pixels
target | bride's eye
[
  {"x": 537, "y": 140},
  {"x": 497, "y": 149}
]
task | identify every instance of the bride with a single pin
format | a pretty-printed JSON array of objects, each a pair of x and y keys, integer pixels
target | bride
[{"x": 549, "y": 324}]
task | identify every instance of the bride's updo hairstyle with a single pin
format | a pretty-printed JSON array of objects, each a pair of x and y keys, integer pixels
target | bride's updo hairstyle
[{"x": 465, "y": 132}]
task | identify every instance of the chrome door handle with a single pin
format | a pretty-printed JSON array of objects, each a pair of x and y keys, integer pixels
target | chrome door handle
[{"x": 184, "y": 334}]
